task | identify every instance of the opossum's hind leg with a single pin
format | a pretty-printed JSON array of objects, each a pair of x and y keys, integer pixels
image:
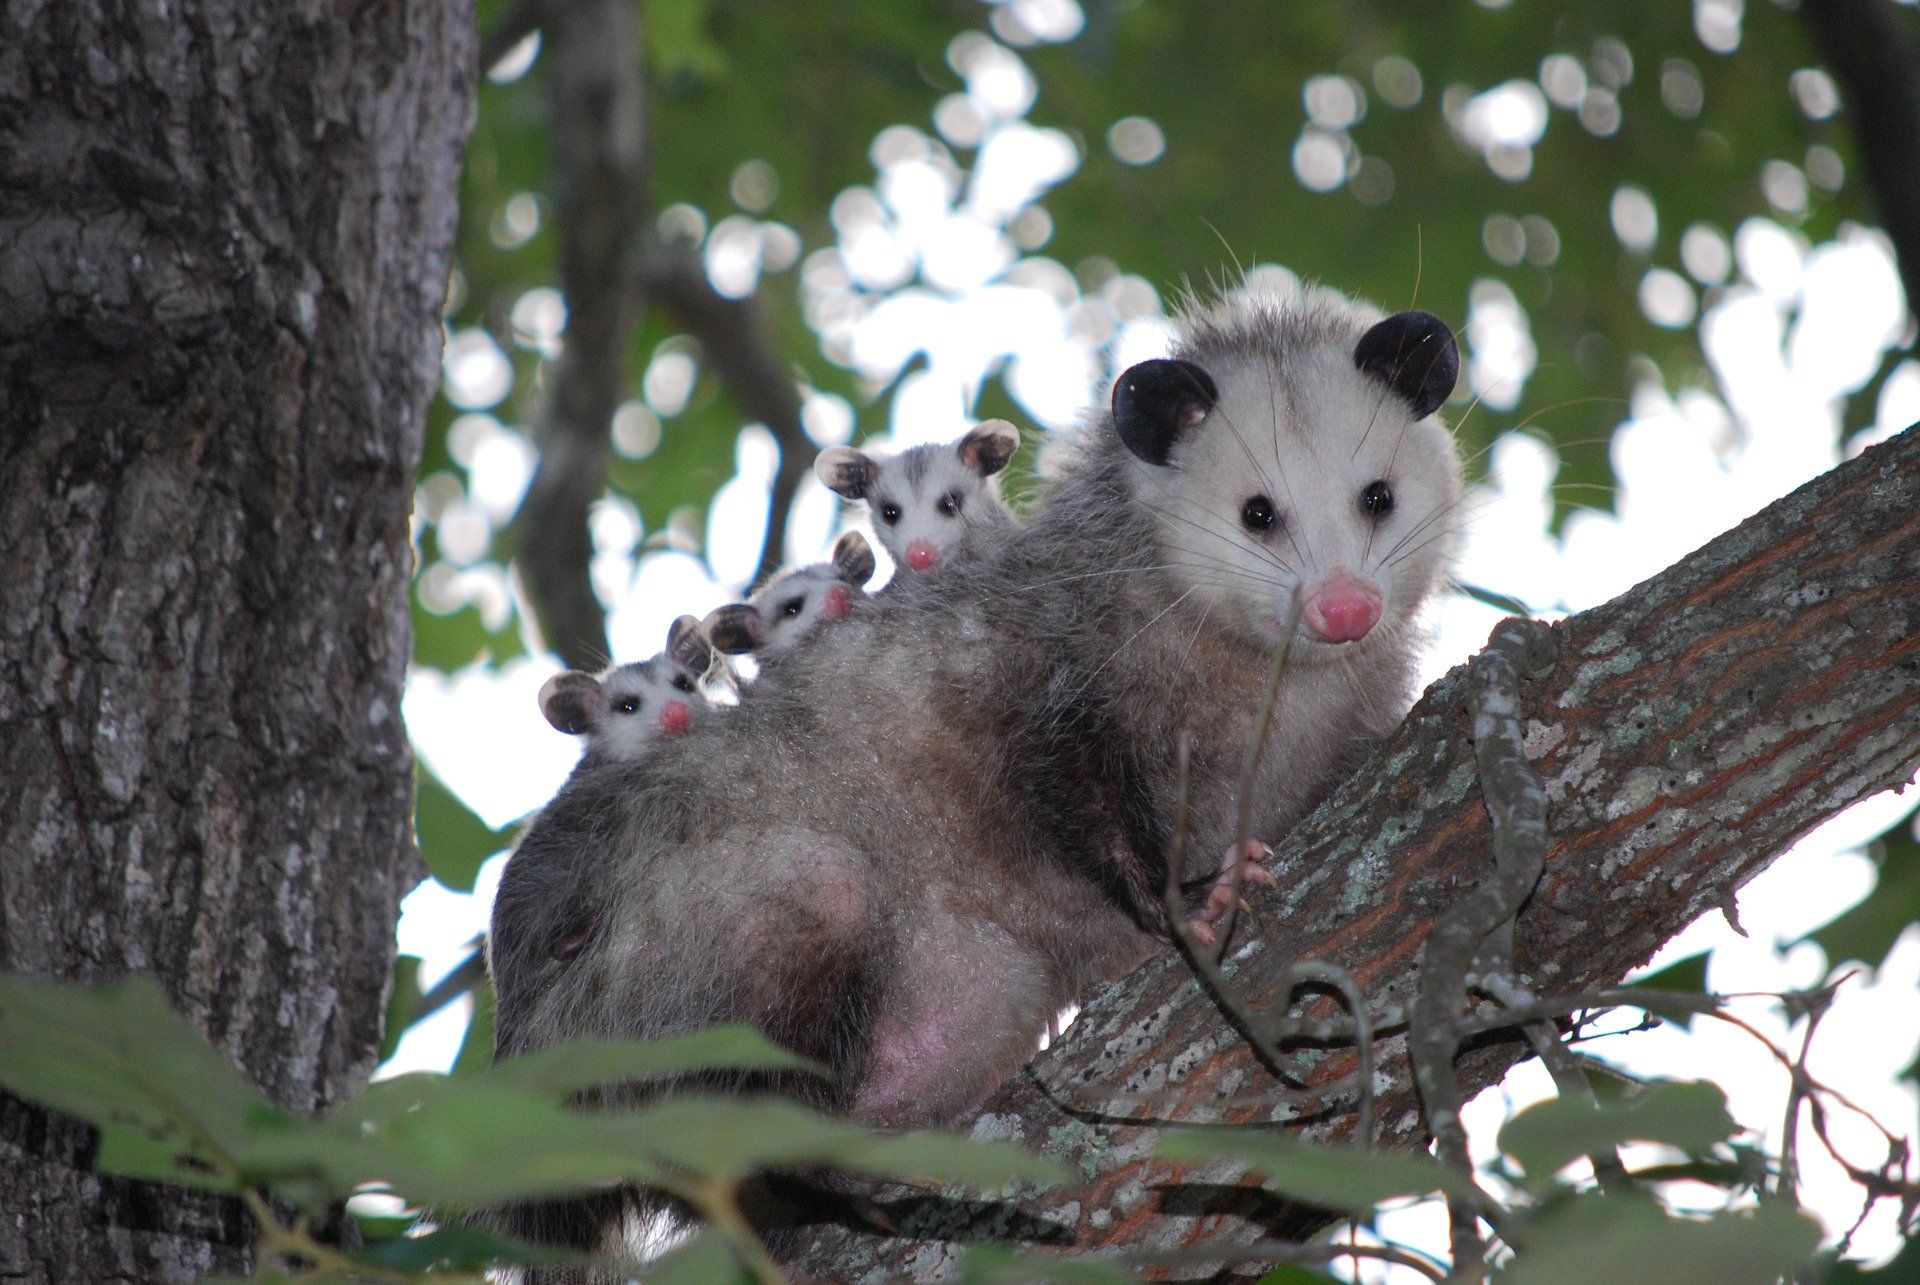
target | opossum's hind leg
[{"x": 814, "y": 945}]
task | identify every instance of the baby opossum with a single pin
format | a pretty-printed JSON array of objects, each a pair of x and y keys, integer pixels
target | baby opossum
[
  {"x": 790, "y": 608},
  {"x": 629, "y": 707},
  {"x": 958, "y": 819},
  {"x": 930, "y": 504}
]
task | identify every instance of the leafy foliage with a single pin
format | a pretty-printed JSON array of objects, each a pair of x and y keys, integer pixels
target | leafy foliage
[{"x": 169, "y": 1108}]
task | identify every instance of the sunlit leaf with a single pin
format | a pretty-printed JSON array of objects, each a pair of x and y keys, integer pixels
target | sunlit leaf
[
  {"x": 1328, "y": 1177},
  {"x": 1867, "y": 931},
  {"x": 1548, "y": 1136},
  {"x": 1637, "y": 1240},
  {"x": 731, "y": 1136},
  {"x": 115, "y": 1054},
  {"x": 402, "y": 1001},
  {"x": 453, "y": 840},
  {"x": 584, "y": 1064}
]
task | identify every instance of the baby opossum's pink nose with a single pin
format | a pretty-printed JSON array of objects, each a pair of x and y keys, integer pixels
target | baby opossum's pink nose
[
  {"x": 1342, "y": 610},
  {"x": 838, "y": 602},
  {"x": 921, "y": 555},
  {"x": 675, "y": 717}
]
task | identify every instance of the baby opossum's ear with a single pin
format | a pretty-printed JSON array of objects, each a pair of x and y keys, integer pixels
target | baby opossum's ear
[
  {"x": 1156, "y": 401},
  {"x": 735, "y": 628},
  {"x": 853, "y": 558},
  {"x": 573, "y": 702},
  {"x": 846, "y": 471},
  {"x": 989, "y": 446},
  {"x": 1415, "y": 354},
  {"x": 688, "y": 644}
]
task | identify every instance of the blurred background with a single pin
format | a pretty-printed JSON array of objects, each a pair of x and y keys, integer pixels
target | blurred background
[{"x": 702, "y": 239}]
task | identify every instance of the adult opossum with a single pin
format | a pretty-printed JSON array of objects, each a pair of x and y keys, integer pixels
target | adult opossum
[{"x": 915, "y": 847}]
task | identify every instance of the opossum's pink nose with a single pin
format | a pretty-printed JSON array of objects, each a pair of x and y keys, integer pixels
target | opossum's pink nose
[
  {"x": 675, "y": 718},
  {"x": 838, "y": 602},
  {"x": 921, "y": 555},
  {"x": 1342, "y": 610}
]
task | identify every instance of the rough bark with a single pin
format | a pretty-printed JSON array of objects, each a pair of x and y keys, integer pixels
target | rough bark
[
  {"x": 591, "y": 54},
  {"x": 1871, "y": 48},
  {"x": 1689, "y": 731},
  {"x": 224, "y": 238}
]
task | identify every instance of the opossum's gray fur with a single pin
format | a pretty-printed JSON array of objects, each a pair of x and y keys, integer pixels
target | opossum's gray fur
[{"x": 912, "y": 849}]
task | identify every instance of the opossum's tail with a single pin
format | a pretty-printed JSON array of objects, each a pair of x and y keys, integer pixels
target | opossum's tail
[{"x": 778, "y": 929}]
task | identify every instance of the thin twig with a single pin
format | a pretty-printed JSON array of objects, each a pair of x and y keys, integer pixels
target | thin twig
[
  {"x": 1256, "y": 749},
  {"x": 1516, "y": 801}
]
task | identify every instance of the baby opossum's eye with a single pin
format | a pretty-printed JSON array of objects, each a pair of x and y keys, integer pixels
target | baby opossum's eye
[
  {"x": 682, "y": 682},
  {"x": 949, "y": 504},
  {"x": 791, "y": 607},
  {"x": 1377, "y": 500},
  {"x": 628, "y": 705},
  {"x": 890, "y": 513},
  {"x": 1257, "y": 514}
]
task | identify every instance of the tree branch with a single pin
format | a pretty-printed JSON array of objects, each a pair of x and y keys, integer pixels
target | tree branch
[
  {"x": 734, "y": 338},
  {"x": 522, "y": 19},
  {"x": 1870, "y": 47},
  {"x": 594, "y": 84},
  {"x": 1687, "y": 733}
]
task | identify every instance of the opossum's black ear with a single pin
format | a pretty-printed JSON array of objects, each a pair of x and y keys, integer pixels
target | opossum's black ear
[
  {"x": 1415, "y": 353},
  {"x": 688, "y": 644},
  {"x": 735, "y": 628},
  {"x": 989, "y": 446},
  {"x": 846, "y": 471},
  {"x": 573, "y": 702},
  {"x": 853, "y": 558},
  {"x": 1156, "y": 401}
]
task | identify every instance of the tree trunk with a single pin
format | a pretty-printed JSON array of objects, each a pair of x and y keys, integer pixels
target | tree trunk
[
  {"x": 1689, "y": 731},
  {"x": 224, "y": 238}
]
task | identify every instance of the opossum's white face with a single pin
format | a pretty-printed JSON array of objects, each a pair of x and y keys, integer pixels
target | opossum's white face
[
  {"x": 629, "y": 707},
  {"x": 1319, "y": 471},
  {"x": 793, "y": 607},
  {"x": 646, "y": 701},
  {"x": 929, "y": 501}
]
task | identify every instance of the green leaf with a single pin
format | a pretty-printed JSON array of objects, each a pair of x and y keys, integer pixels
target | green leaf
[
  {"x": 707, "y": 1259},
  {"x": 453, "y": 841},
  {"x": 461, "y": 1249},
  {"x": 117, "y": 1056},
  {"x": 169, "y": 1157},
  {"x": 476, "y": 1046},
  {"x": 732, "y": 1137},
  {"x": 1550, "y": 1135},
  {"x": 1629, "y": 1239},
  {"x": 1867, "y": 932},
  {"x": 567, "y": 1069},
  {"x": 403, "y": 998},
  {"x": 1005, "y": 1265},
  {"x": 1336, "y": 1178},
  {"x": 1293, "y": 1275}
]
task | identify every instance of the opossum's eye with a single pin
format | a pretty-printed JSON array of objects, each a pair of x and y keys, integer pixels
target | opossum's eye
[
  {"x": 682, "y": 682},
  {"x": 1377, "y": 500},
  {"x": 791, "y": 607},
  {"x": 1257, "y": 514},
  {"x": 949, "y": 504},
  {"x": 628, "y": 705},
  {"x": 890, "y": 513}
]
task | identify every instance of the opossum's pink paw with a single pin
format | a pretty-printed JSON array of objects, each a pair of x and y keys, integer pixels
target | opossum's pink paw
[{"x": 1250, "y": 857}]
